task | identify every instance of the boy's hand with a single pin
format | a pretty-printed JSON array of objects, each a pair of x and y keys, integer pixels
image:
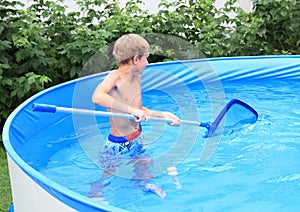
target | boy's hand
[
  {"x": 175, "y": 119},
  {"x": 140, "y": 115}
]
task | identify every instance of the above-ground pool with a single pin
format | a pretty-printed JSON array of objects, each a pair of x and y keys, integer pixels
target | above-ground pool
[{"x": 53, "y": 157}]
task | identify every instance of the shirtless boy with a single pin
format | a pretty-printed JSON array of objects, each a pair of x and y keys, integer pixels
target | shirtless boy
[{"x": 120, "y": 91}]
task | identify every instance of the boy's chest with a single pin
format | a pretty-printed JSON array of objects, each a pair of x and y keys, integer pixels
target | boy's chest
[{"x": 128, "y": 92}]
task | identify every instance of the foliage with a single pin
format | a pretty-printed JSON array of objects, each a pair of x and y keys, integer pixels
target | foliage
[
  {"x": 271, "y": 28},
  {"x": 5, "y": 192},
  {"x": 44, "y": 44}
]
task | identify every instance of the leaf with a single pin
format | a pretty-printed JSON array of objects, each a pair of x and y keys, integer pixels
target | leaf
[
  {"x": 31, "y": 79},
  {"x": 13, "y": 93},
  {"x": 26, "y": 89},
  {"x": 73, "y": 72},
  {"x": 21, "y": 55},
  {"x": 283, "y": 13},
  {"x": 5, "y": 66},
  {"x": 5, "y": 44},
  {"x": 7, "y": 81}
]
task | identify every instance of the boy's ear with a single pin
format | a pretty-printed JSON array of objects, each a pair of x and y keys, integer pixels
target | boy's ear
[{"x": 135, "y": 59}]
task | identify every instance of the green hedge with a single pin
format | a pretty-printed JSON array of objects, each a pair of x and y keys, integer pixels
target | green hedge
[{"x": 44, "y": 45}]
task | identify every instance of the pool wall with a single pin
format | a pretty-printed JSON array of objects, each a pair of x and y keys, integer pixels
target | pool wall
[{"x": 34, "y": 192}]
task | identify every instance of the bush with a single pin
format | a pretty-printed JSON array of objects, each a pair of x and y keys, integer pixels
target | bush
[{"x": 271, "y": 28}]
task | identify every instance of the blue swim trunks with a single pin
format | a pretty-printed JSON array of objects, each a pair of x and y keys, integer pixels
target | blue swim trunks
[{"x": 119, "y": 149}]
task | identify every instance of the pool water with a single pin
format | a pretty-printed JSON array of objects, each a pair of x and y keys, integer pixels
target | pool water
[{"x": 254, "y": 168}]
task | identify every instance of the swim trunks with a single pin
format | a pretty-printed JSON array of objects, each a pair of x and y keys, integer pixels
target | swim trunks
[{"x": 118, "y": 148}]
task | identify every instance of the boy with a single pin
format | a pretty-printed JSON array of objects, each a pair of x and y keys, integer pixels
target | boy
[{"x": 120, "y": 91}]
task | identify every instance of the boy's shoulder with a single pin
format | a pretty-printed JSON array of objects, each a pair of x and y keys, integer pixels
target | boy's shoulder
[
  {"x": 113, "y": 74},
  {"x": 110, "y": 79}
]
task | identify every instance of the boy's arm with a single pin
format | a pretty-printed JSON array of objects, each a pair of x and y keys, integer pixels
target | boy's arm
[
  {"x": 101, "y": 94},
  {"x": 162, "y": 114},
  {"x": 101, "y": 97}
]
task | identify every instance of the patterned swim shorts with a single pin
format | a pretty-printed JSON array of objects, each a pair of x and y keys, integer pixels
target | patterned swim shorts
[{"x": 118, "y": 150}]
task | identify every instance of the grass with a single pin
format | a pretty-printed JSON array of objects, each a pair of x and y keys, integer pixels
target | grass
[{"x": 5, "y": 191}]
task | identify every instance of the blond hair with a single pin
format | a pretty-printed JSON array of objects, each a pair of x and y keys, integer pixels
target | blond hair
[{"x": 128, "y": 46}]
